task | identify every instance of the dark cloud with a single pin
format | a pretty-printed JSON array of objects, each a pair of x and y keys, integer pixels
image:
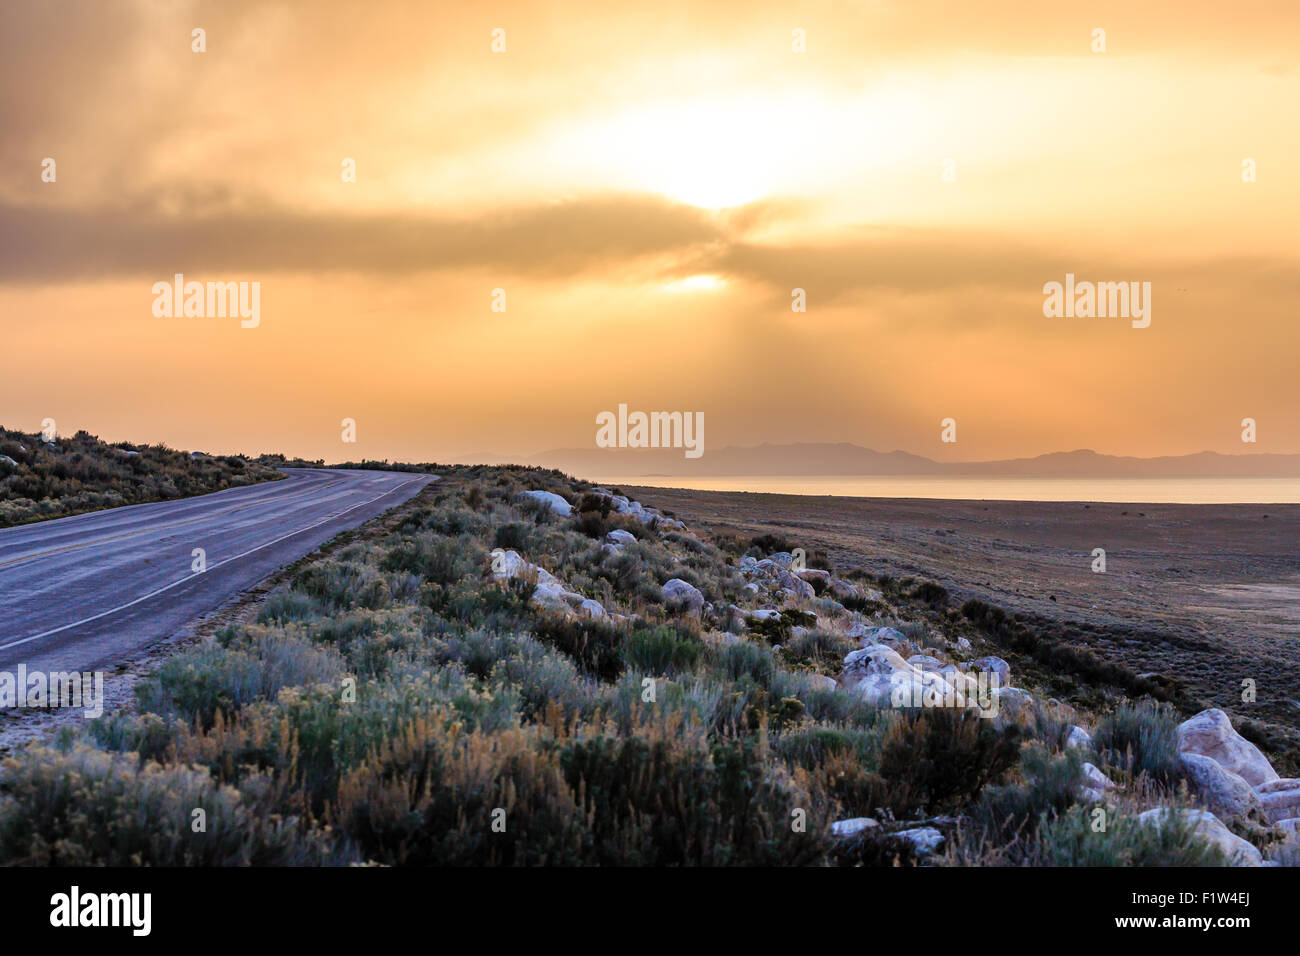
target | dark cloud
[{"x": 43, "y": 244}]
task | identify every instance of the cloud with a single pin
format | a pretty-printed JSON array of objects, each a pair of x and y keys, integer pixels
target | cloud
[{"x": 227, "y": 236}]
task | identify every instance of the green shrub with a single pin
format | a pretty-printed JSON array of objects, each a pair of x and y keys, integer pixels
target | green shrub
[
  {"x": 1005, "y": 814},
  {"x": 88, "y": 808},
  {"x": 661, "y": 650},
  {"x": 935, "y": 759},
  {"x": 198, "y": 684},
  {"x": 1141, "y": 738},
  {"x": 1072, "y": 840},
  {"x": 664, "y": 803},
  {"x": 594, "y": 644}
]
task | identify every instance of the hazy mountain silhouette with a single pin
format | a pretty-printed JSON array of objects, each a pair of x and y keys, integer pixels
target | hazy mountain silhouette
[{"x": 844, "y": 458}]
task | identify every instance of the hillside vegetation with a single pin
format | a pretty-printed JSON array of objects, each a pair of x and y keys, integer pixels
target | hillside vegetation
[
  {"x": 517, "y": 668},
  {"x": 40, "y": 479}
]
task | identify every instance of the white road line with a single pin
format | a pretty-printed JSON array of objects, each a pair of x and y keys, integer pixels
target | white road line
[{"x": 191, "y": 577}]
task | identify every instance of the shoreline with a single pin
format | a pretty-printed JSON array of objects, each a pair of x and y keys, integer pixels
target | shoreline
[{"x": 1037, "y": 489}]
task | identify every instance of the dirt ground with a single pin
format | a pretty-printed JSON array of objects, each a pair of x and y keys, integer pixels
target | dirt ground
[{"x": 1209, "y": 594}]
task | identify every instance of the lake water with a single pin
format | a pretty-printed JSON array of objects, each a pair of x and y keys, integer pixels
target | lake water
[{"x": 1120, "y": 490}]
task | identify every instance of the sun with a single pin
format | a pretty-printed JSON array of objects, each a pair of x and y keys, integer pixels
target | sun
[
  {"x": 712, "y": 154},
  {"x": 696, "y": 283}
]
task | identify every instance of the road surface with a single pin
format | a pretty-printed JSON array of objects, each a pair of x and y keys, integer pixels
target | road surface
[{"x": 85, "y": 592}]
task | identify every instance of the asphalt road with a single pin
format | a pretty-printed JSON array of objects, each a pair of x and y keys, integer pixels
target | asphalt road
[{"x": 86, "y": 592}]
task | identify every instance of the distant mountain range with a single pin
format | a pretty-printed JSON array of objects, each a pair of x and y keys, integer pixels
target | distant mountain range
[{"x": 843, "y": 458}]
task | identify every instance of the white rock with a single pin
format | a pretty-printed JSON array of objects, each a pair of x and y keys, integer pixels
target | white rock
[
  {"x": 508, "y": 564},
  {"x": 1280, "y": 799},
  {"x": 963, "y": 644},
  {"x": 877, "y": 689},
  {"x": 1094, "y": 785},
  {"x": 619, "y": 536},
  {"x": 875, "y": 659},
  {"x": 908, "y": 687},
  {"x": 848, "y": 828},
  {"x": 794, "y": 584},
  {"x": 1291, "y": 827},
  {"x": 1225, "y": 793},
  {"x": 994, "y": 665},
  {"x": 679, "y": 591},
  {"x": 592, "y": 608},
  {"x": 925, "y": 663},
  {"x": 924, "y": 840},
  {"x": 814, "y": 574},
  {"x": 884, "y": 635},
  {"x": 859, "y": 631},
  {"x": 1209, "y": 827},
  {"x": 1210, "y": 734},
  {"x": 553, "y": 596},
  {"x": 551, "y": 500},
  {"x": 1013, "y": 702},
  {"x": 1078, "y": 737}
]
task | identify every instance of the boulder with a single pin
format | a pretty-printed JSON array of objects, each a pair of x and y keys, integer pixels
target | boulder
[
  {"x": 814, "y": 574},
  {"x": 925, "y": 663},
  {"x": 552, "y": 596},
  {"x": 1225, "y": 794},
  {"x": 877, "y": 689},
  {"x": 848, "y": 828},
  {"x": 924, "y": 840},
  {"x": 1238, "y": 851},
  {"x": 1078, "y": 737},
  {"x": 1280, "y": 799},
  {"x": 592, "y": 608},
  {"x": 883, "y": 635},
  {"x": 683, "y": 592},
  {"x": 994, "y": 665},
  {"x": 857, "y": 632},
  {"x": 846, "y": 589},
  {"x": 620, "y": 537},
  {"x": 965, "y": 682},
  {"x": 508, "y": 564},
  {"x": 1210, "y": 734},
  {"x": 1291, "y": 827},
  {"x": 1094, "y": 785},
  {"x": 1013, "y": 702},
  {"x": 551, "y": 500},
  {"x": 908, "y": 687},
  {"x": 794, "y": 584},
  {"x": 875, "y": 659}
]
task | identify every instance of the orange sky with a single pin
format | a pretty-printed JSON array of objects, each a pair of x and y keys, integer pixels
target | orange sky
[{"x": 648, "y": 183}]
